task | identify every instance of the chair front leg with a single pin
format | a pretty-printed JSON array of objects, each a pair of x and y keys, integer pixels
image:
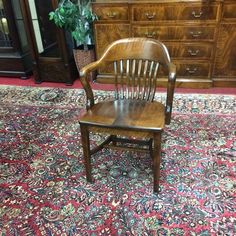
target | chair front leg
[
  {"x": 113, "y": 141},
  {"x": 156, "y": 160},
  {"x": 86, "y": 151},
  {"x": 151, "y": 147}
]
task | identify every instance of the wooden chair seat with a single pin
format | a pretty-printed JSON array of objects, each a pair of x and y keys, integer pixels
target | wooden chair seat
[{"x": 126, "y": 114}]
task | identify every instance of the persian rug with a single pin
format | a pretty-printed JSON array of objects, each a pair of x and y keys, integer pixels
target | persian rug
[{"x": 43, "y": 190}]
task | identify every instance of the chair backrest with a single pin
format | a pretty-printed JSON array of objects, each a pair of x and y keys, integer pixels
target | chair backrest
[{"x": 136, "y": 62}]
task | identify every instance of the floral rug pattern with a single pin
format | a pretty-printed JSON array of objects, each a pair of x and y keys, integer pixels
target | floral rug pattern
[{"x": 43, "y": 189}]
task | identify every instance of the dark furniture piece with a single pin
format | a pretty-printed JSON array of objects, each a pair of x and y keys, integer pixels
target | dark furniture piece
[
  {"x": 224, "y": 73},
  {"x": 15, "y": 55},
  {"x": 134, "y": 111},
  {"x": 200, "y": 35},
  {"x": 52, "y": 48}
]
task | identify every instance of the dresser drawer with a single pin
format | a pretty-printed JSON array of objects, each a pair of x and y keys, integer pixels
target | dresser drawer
[
  {"x": 190, "y": 50},
  {"x": 175, "y": 12},
  {"x": 188, "y": 69},
  {"x": 172, "y": 33},
  {"x": 192, "y": 69},
  {"x": 229, "y": 11},
  {"x": 112, "y": 13}
]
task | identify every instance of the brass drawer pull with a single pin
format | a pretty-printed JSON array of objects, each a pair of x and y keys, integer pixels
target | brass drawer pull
[
  {"x": 196, "y": 34},
  {"x": 191, "y": 70},
  {"x": 193, "y": 53},
  {"x": 150, "y": 16},
  {"x": 197, "y": 15},
  {"x": 112, "y": 14},
  {"x": 150, "y": 34}
]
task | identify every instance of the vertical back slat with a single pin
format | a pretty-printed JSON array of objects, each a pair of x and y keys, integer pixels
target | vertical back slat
[
  {"x": 152, "y": 94},
  {"x": 144, "y": 82},
  {"x": 127, "y": 78},
  {"x": 133, "y": 70},
  {"x": 122, "y": 80},
  {"x": 116, "y": 81},
  {"x": 150, "y": 79},
  {"x": 139, "y": 78}
]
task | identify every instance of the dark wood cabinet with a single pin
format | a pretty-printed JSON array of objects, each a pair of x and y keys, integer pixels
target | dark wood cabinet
[
  {"x": 199, "y": 34},
  {"x": 15, "y": 55},
  {"x": 52, "y": 48},
  {"x": 224, "y": 73},
  {"x": 31, "y": 43}
]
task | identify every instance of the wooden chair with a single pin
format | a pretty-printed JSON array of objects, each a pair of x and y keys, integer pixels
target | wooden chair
[{"x": 133, "y": 112}]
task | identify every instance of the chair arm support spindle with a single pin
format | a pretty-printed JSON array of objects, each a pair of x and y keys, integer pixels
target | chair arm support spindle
[
  {"x": 170, "y": 92},
  {"x": 88, "y": 90},
  {"x": 86, "y": 84}
]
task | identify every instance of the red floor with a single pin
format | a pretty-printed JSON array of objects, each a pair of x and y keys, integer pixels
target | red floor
[{"x": 77, "y": 84}]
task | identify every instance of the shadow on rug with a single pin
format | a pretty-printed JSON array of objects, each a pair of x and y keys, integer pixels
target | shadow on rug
[{"x": 42, "y": 177}]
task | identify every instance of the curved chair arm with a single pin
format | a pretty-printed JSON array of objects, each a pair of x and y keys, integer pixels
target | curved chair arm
[
  {"x": 88, "y": 68},
  {"x": 170, "y": 91}
]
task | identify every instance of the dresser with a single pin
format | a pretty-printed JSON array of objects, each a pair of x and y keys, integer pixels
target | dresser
[{"x": 200, "y": 36}]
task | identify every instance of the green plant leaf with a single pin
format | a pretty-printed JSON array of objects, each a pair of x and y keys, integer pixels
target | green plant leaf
[
  {"x": 51, "y": 15},
  {"x": 76, "y": 17}
]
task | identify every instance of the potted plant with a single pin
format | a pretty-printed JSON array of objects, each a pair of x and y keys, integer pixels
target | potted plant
[{"x": 76, "y": 17}]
